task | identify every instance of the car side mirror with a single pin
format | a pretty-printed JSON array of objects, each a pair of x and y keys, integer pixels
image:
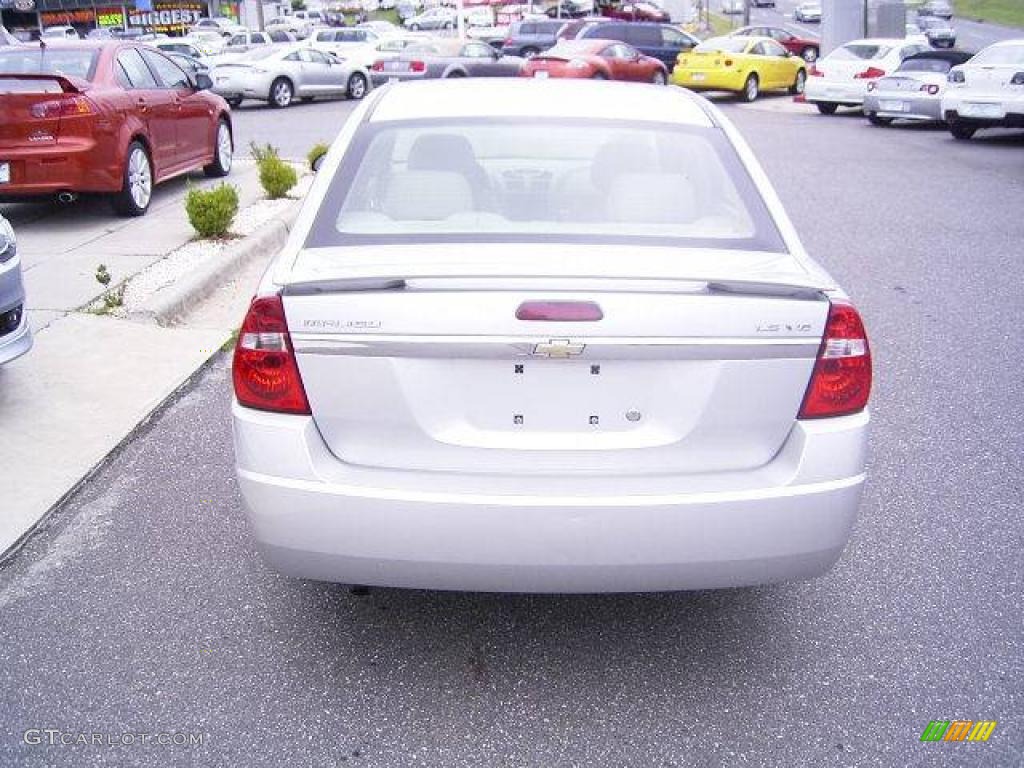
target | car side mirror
[{"x": 203, "y": 81}]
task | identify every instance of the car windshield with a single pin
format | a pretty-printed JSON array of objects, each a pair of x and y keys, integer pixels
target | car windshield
[
  {"x": 727, "y": 44},
  {"x": 543, "y": 180},
  {"x": 49, "y": 61},
  {"x": 1001, "y": 56},
  {"x": 864, "y": 51},
  {"x": 940, "y": 66}
]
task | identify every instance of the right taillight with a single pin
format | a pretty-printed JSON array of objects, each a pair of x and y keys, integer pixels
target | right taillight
[
  {"x": 841, "y": 381},
  {"x": 264, "y": 372},
  {"x": 417, "y": 66}
]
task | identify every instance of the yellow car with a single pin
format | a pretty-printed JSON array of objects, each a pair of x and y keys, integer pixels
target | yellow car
[{"x": 746, "y": 65}]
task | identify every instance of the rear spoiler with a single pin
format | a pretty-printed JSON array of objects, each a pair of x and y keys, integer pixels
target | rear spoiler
[
  {"x": 66, "y": 84},
  {"x": 397, "y": 283}
]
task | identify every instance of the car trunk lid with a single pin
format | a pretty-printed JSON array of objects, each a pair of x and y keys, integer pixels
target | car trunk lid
[
  {"x": 439, "y": 371},
  {"x": 34, "y": 107}
]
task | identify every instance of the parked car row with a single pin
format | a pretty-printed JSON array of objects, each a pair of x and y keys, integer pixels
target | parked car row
[{"x": 902, "y": 80}]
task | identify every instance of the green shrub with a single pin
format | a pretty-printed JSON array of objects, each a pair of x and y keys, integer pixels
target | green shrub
[
  {"x": 318, "y": 151},
  {"x": 276, "y": 176},
  {"x": 212, "y": 211}
]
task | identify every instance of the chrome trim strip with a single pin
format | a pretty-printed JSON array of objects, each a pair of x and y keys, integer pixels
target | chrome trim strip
[{"x": 603, "y": 348}]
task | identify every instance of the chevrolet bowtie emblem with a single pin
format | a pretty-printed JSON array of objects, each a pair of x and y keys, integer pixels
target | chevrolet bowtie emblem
[{"x": 558, "y": 348}]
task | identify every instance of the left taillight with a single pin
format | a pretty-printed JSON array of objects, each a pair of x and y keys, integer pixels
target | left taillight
[
  {"x": 841, "y": 381},
  {"x": 265, "y": 373},
  {"x": 70, "y": 105}
]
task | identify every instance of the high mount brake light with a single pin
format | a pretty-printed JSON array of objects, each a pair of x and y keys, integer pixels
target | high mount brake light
[
  {"x": 265, "y": 373},
  {"x": 841, "y": 381}
]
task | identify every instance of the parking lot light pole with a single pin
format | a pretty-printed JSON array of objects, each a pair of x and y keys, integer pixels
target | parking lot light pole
[{"x": 460, "y": 21}]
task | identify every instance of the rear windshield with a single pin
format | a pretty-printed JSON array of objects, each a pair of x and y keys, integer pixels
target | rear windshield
[
  {"x": 49, "y": 61},
  {"x": 1001, "y": 56},
  {"x": 727, "y": 44},
  {"x": 939, "y": 66},
  {"x": 515, "y": 180},
  {"x": 863, "y": 51}
]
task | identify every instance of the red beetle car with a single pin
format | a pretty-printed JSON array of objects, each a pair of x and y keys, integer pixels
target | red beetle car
[
  {"x": 807, "y": 47},
  {"x": 596, "y": 59},
  {"x": 110, "y": 117}
]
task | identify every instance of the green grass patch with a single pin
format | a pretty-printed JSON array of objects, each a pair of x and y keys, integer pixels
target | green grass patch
[
  {"x": 391, "y": 16},
  {"x": 1009, "y": 12},
  {"x": 721, "y": 25}
]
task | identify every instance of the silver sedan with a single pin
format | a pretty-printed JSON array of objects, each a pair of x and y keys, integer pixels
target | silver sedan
[
  {"x": 15, "y": 337},
  {"x": 914, "y": 90},
  {"x": 558, "y": 336},
  {"x": 279, "y": 74}
]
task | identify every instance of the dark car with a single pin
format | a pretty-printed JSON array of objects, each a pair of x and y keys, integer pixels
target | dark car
[
  {"x": 806, "y": 47},
  {"x": 762, "y": 3},
  {"x": 636, "y": 11},
  {"x": 660, "y": 41},
  {"x": 446, "y": 57},
  {"x": 528, "y": 38},
  {"x": 940, "y": 8},
  {"x": 569, "y": 9},
  {"x": 109, "y": 117}
]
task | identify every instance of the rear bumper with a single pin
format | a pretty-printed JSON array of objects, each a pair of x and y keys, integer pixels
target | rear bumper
[
  {"x": 708, "y": 79},
  {"x": 70, "y": 166},
  {"x": 915, "y": 106},
  {"x": 984, "y": 109},
  {"x": 825, "y": 91},
  {"x": 316, "y": 517}
]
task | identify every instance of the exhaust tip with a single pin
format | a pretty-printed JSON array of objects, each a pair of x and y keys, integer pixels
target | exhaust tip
[{"x": 66, "y": 197}]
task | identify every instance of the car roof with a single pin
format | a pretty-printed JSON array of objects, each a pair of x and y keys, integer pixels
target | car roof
[
  {"x": 528, "y": 98},
  {"x": 954, "y": 57}
]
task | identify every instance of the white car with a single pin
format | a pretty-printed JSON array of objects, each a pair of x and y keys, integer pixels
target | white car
[
  {"x": 380, "y": 50},
  {"x": 559, "y": 336},
  {"x": 841, "y": 78},
  {"x": 61, "y": 32},
  {"x": 340, "y": 39},
  {"x": 987, "y": 91},
  {"x": 209, "y": 41},
  {"x": 222, "y": 26},
  {"x": 808, "y": 13},
  {"x": 298, "y": 27}
]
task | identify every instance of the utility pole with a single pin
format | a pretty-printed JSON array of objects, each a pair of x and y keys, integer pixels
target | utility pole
[
  {"x": 746, "y": 13},
  {"x": 260, "y": 23}
]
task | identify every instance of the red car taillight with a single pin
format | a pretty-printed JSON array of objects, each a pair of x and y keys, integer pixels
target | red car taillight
[
  {"x": 417, "y": 66},
  {"x": 67, "y": 106},
  {"x": 841, "y": 381},
  {"x": 869, "y": 74},
  {"x": 378, "y": 66},
  {"x": 264, "y": 372},
  {"x": 815, "y": 72}
]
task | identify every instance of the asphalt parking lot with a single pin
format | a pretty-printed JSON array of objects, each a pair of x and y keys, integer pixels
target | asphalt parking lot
[{"x": 144, "y": 608}]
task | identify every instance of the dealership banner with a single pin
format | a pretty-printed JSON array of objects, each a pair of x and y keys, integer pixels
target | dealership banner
[{"x": 167, "y": 17}]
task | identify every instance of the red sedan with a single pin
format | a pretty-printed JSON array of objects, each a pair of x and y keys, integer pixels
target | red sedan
[
  {"x": 806, "y": 47},
  {"x": 598, "y": 60},
  {"x": 110, "y": 117}
]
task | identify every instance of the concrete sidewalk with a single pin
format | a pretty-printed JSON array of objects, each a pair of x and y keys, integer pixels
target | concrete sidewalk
[{"x": 90, "y": 379}]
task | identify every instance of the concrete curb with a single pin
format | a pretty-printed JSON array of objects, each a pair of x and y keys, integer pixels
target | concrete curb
[{"x": 171, "y": 302}]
